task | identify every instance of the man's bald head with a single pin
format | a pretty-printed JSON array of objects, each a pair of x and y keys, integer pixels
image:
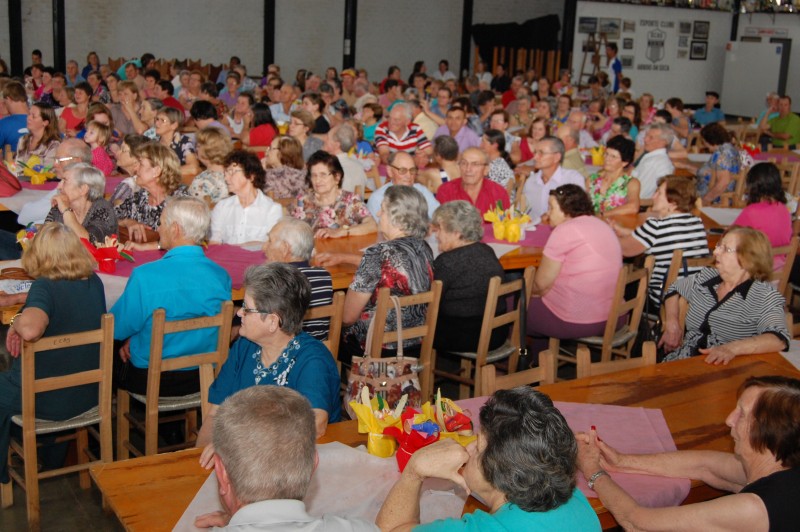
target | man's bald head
[{"x": 69, "y": 152}]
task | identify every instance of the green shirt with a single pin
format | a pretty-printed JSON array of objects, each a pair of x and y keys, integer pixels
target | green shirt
[{"x": 788, "y": 124}]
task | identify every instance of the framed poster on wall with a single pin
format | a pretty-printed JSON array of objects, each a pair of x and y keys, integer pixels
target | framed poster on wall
[
  {"x": 698, "y": 51},
  {"x": 701, "y": 29}
]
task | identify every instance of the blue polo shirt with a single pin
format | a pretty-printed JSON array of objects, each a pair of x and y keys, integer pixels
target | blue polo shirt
[
  {"x": 703, "y": 117},
  {"x": 12, "y": 128},
  {"x": 186, "y": 284}
]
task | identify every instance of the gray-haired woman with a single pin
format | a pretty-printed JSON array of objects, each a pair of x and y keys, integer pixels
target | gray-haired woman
[
  {"x": 465, "y": 267},
  {"x": 403, "y": 263},
  {"x": 80, "y": 205}
]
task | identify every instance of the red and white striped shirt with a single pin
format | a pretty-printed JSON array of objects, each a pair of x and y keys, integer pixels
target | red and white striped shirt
[{"x": 413, "y": 139}]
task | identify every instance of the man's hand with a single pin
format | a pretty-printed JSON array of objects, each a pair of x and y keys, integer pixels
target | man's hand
[
  {"x": 442, "y": 459},
  {"x": 207, "y": 456},
  {"x": 125, "y": 351},
  {"x": 218, "y": 518}
]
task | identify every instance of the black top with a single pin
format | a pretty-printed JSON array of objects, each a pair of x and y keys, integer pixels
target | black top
[{"x": 780, "y": 492}]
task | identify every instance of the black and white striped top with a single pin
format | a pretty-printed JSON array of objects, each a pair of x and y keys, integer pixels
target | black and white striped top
[
  {"x": 751, "y": 309},
  {"x": 660, "y": 237},
  {"x": 321, "y": 294}
]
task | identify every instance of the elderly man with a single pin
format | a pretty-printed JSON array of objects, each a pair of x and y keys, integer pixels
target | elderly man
[
  {"x": 577, "y": 121},
  {"x": 399, "y": 134},
  {"x": 655, "y": 163},
  {"x": 281, "y": 110},
  {"x": 456, "y": 126},
  {"x": 785, "y": 128},
  {"x": 572, "y": 156},
  {"x": 14, "y": 125},
  {"x": 402, "y": 171},
  {"x": 522, "y": 466},
  {"x": 186, "y": 284},
  {"x": 549, "y": 175},
  {"x": 473, "y": 185},
  {"x": 339, "y": 141},
  {"x": 292, "y": 241},
  {"x": 763, "y": 472},
  {"x": 73, "y": 75},
  {"x": 709, "y": 113},
  {"x": 255, "y": 429}
]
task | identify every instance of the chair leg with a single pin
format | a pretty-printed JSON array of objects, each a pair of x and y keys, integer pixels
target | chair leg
[
  {"x": 123, "y": 425},
  {"x": 190, "y": 428},
  {"x": 82, "y": 442},
  {"x": 466, "y": 372},
  {"x": 31, "y": 478},
  {"x": 7, "y": 494}
]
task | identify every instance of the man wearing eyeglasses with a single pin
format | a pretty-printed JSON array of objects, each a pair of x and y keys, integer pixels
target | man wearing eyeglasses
[
  {"x": 473, "y": 186},
  {"x": 548, "y": 175},
  {"x": 402, "y": 171}
]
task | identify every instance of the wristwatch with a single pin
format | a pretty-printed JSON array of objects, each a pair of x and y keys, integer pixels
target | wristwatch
[{"x": 594, "y": 478}]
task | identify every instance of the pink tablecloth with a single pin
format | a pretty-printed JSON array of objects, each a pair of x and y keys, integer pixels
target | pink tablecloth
[
  {"x": 536, "y": 238},
  {"x": 234, "y": 259},
  {"x": 111, "y": 184},
  {"x": 627, "y": 429},
  {"x": 780, "y": 158}
]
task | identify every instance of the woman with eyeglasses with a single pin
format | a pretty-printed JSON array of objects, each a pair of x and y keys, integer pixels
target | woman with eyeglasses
[
  {"x": 39, "y": 146},
  {"x": 329, "y": 210},
  {"x": 285, "y": 169},
  {"x": 273, "y": 350},
  {"x": 129, "y": 165},
  {"x": 612, "y": 190},
  {"x": 168, "y": 123},
  {"x": 734, "y": 310},
  {"x": 248, "y": 214}
]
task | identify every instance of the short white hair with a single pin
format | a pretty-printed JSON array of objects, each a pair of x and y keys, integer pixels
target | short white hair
[{"x": 191, "y": 214}]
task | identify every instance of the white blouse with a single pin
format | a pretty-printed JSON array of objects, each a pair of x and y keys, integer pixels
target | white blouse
[{"x": 233, "y": 224}]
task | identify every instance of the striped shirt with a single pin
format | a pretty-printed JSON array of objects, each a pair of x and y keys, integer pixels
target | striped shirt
[
  {"x": 751, "y": 309},
  {"x": 413, "y": 139},
  {"x": 321, "y": 294},
  {"x": 660, "y": 237}
]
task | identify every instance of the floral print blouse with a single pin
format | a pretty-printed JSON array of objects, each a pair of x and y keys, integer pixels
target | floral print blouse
[
  {"x": 183, "y": 146},
  {"x": 137, "y": 207},
  {"x": 615, "y": 196},
  {"x": 284, "y": 182},
  {"x": 46, "y": 154},
  {"x": 348, "y": 209},
  {"x": 209, "y": 184},
  {"x": 726, "y": 157}
]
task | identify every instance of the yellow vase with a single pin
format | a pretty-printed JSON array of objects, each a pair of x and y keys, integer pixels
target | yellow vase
[{"x": 499, "y": 229}]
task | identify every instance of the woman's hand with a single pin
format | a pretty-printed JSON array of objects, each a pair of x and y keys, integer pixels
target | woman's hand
[
  {"x": 329, "y": 232},
  {"x": 673, "y": 337},
  {"x": 137, "y": 232},
  {"x": 327, "y": 260},
  {"x": 720, "y": 354},
  {"x": 207, "y": 456},
  {"x": 13, "y": 342},
  {"x": 137, "y": 246},
  {"x": 443, "y": 459}
]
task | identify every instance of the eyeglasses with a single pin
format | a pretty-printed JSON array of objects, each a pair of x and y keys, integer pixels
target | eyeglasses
[
  {"x": 321, "y": 176},
  {"x": 404, "y": 171},
  {"x": 541, "y": 152},
  {"x": 726, "y": 249},
  {"x": 471, "y": 164},
  {"x": 162, "y": 120},
  {"x": 63, "y": 160},
  {"x": 232, "y": 170},
  {"x": 245, "y": 310}
]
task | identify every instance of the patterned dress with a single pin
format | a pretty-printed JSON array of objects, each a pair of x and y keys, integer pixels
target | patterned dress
[
  {"x": 183, "y": 146},
  {"x": 348, "y": 209},
  {"x": 405, "y": 266},
  {"x": 209, "y": 184},
  {"x": 726, "y": 157},
  {"x": 284, "y": 182},
  {"x": 615, "y": 196},
  {"x": 138, "y": 208}
]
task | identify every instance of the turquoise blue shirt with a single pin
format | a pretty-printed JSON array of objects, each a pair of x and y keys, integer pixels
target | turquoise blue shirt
[
  {"x": 576, "y": 514},
  {"x": 184, "y": 283},
  {"x": 703, "y": 117}
]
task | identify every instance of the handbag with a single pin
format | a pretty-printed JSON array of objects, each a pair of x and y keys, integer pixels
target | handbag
[
  {"x": 9, "y": 184},
  {"x": 387, "y": 378}
]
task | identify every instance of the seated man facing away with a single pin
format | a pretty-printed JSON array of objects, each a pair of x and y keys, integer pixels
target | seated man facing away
[
  {"x": 763, "y": 471},
  {"x": 292, "y": 241},
  {"x": 265, "y": 457},
  {"x": 522, "y": 465},
  {"x": 184, "y": 283}
]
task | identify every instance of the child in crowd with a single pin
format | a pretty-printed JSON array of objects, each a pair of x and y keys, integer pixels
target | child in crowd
[
  {"x": 97, "y": 137},
  {"x": 371, "y": 116}
]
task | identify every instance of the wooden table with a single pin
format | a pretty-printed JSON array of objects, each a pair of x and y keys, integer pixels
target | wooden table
[{"x": 151, "y": 493}]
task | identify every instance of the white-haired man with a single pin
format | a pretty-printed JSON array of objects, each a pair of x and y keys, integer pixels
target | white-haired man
[
  {"x": 339, "y": 141},
  {"x": 399, "y": 134},
  {"x": 655, "y": 163},
  {"x": 402, "y": 171}
]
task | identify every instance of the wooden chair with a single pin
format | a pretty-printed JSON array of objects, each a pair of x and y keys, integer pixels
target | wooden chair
[
  {"x": 473, "y": 364},
  {"x": 736, "y": 197},
  {"x": 587, "y": 368},
  {"x": 675, "y": 267},
  {"x": 617, "y": 341},
  {"x": 209, "y": 365},
  {"x": 545, "y": 373},
  {"x": 83, "y": 423},
  {"x": 782, "y": 277},
  {"x": 425, "y": 331},
  {"x": 334, "y": 311}
]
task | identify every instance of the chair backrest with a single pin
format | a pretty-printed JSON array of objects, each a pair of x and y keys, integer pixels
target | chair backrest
[
  {"x": 543, "y": 374},
  {"x": 736, "y": 197},
  {"x": 425, "y": 331},
  {"x": 334, "y": 311},
  {"x": 676, "y": 265},
  {"x": 587, "y": 368},
  {"x": 782, "y": 276},
  {"x": 104, "y": 336},
  {"x": 208, "y": 363}
]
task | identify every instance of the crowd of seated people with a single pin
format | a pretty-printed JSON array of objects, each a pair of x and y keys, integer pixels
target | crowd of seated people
[{"x": 280, "y": 162}]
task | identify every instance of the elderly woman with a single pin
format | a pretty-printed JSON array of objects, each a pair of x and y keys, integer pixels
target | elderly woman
[
  {"x": 465, "y": 267},
  {"x": 213, "y": 145},
  {"x": 762, "y": 474},
  {"x": 522, "y": 466},
  {"x": 733, "y": 308},
  {"x": 300, "y": 124},
  {"x": 129, "y": 165},
  {"x": 766, "y": 208},
  {"x": 613, "y": 191},
  {"x": 247, "y": 215},
  {"x": 158, "y": 177},
  {"x": 286, "y": 171},
  {"x": 66, "y": 297},
  {"x": 127, "y": 107},
  {"x": 273, "y": 350},
  {"x": 715, "y": 176},
  {"x": 646, "y": 108},
  {"x": 402, "y": 263},
  {"x": 524, "y": 115},
  {"x": 673, "y": 227},
  {"x": 80, "y": 205},
  {"x": 331, "y": 211},
  {"x": 39, "y": 145},
  {"x": 168, "y": 123},
  {"x": 580, "y": 263}
]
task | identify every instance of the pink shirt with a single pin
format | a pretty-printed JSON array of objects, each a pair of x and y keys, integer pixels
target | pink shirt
[
  {"x": 103, "y": 161},
  {"x": 772, "y": 219},
  {"x": 591, "y": 258}
]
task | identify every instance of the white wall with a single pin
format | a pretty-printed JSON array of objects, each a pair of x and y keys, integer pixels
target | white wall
[
  {"x": 308, "y": 34},
  {"x": 791, "y": 24},
  {"x": 681, "y": 77}
]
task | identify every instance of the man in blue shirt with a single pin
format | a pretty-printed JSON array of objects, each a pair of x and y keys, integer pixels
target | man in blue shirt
[
  {"x": 710, "y": 113},
  {"x": 402, "y": 171},
  {"x": 14, "y": 126},
  {"x": 183, "y": 282},
  {"x": 614, "y": 68}
]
